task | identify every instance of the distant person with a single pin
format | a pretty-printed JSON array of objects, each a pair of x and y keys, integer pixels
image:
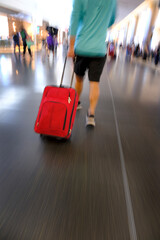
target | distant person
[
  {"x": 137, "y": 51},
  {"x": 128, "y": 52},
  {"x": 145, "y": 53},
  {"x": 24, "y": 37},
  {"x": 120, "y": 49},
  {"x": 55, "y": 43},
  {"x": 44, "y": 45},
  {"x": 111, "y": 50},
  {"x": 50, "y": 44},
  {"x": 29, "y": 44},
  {"x": 133, "y": 49},
  {"x": 157, "y": 55},
  {"x": 89, "y": 22},
  {"x": 16, "y": 41}
]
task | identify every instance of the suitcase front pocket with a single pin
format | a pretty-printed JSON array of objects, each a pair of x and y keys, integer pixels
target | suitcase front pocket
[{"x": 52, "y": 116}]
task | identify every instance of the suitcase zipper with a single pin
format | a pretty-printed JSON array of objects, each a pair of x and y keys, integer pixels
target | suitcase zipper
[
  {"x": 64, "y": 118},
  {"x": 69, "y": 131}
]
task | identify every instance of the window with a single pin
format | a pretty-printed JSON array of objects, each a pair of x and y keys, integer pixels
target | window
[{"x": 4, "y": 30}]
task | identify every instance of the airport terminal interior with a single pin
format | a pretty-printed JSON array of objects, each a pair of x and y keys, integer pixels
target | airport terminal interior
[{"x": 104, "y": 182}]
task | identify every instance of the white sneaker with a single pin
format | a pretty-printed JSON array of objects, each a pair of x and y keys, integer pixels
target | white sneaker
[
  {"x": 79, "y": 106},
  {"x": 90, "y": 120}
]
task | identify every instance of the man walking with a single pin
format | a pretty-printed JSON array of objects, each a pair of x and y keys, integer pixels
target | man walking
[
  {"x": 89, "y": 22},
  {"x": 16, "y": 41},
  {"x": 24, "y": 37}
]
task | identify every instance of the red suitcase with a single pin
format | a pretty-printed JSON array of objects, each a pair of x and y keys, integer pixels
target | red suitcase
[{"x": 57, "y": 110}]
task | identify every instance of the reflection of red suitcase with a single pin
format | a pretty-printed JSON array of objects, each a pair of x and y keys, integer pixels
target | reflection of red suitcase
[{"x": 57, "y": 110}]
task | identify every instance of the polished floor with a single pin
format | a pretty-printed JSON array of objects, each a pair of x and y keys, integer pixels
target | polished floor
[{"x": 103, "y": 184}]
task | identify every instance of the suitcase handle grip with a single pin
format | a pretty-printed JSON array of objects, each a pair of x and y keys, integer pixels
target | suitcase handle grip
[{"x": 65, "y": 61}]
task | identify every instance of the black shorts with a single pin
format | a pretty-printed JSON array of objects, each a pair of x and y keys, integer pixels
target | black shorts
[
  {"x": 51, "y": 48},
  {"x": 93, "y": 64}
]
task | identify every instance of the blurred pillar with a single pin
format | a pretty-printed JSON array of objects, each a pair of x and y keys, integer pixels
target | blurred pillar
[
  {"x": 135, "y": 29},
  {"x": 125, "y": 41},
  {"x": 154, "y": 9},
  {"x": 118, "y": 34},
  {"x": 34, "y": 30}
]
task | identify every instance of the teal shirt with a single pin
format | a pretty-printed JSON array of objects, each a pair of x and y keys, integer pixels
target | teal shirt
[{"x": 89, "y": 22}]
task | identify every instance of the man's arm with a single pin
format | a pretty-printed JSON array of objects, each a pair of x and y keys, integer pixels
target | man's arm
[
  {"x": 74, "y": 23},
  {"x": 71, "y": 47}
]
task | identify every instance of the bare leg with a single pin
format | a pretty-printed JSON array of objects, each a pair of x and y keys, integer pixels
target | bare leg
[
  {"x": 93, "y": 96},
  {"x": 79, "y": 85}
]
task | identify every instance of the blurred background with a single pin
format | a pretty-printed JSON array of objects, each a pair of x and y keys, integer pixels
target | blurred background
[
  {"x": 102, "y": 184},
  {"x": 137, "y": 22}
]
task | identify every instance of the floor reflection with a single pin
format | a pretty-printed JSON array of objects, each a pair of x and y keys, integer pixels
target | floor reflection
[
  {"x": 135, "y": 81},
  {"x": 130, "y": 79},
  {"x": 5, "y": 70},
  {"x": 11, "y": 97}
]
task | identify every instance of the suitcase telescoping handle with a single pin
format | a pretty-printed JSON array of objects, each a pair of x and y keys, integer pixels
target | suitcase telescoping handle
[{"x": 63, "y": 74}]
